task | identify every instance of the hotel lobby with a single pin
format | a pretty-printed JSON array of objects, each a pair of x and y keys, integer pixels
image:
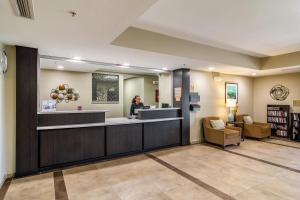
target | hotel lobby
[{"x": 149, "y": 99}]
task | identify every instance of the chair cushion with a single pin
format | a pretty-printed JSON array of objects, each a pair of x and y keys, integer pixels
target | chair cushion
[
  {"x": 231, "y": 134},
  {"x": 248, "y": 120},
  {"x": 217, "y": 124}
]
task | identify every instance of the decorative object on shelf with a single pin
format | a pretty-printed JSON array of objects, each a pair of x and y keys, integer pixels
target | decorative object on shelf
[
  {"x": 279, "y": 92},
  {"x": 231, "y": 92},
  {"x": 3, "y": 62},
  {"x": 105, "y": 88},
  {"x": 64, "y": 93}
]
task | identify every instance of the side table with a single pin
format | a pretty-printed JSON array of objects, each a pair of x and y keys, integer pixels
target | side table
[{"x": 238, "y": 124}]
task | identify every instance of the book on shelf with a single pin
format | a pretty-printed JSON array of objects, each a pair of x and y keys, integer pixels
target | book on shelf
[{"x": 279, "y": 118}]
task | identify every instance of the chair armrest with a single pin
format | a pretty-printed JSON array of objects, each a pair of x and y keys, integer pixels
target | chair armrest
[
  {"x": 234, "y": 128},
  {"x": 215, "y": 131},
  {"x": 261, "y": 124}
]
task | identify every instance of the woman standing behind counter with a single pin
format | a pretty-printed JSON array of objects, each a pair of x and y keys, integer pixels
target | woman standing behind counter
[{"x": 136, "y": 104}]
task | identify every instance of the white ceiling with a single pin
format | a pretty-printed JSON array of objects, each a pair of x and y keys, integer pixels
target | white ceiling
[
  {"x": 82, "y": 66},
  {"x": 255, "y": 27}
]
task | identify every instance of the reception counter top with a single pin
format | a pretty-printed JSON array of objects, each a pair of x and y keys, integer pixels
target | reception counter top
[{"x": 108, "y": 122}]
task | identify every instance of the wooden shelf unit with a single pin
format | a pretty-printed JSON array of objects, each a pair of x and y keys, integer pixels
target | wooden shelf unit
[
  {"x": 295, "y": 126},
  {"x": 279, "y": 118}
]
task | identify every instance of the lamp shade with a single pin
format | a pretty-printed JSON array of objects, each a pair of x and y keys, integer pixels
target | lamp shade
[{"x": 231, "y": 103}]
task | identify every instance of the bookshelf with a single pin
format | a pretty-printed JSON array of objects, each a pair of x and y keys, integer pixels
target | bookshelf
[
  {"x": 279, "y": 118},
  {"x": 295, "y": 126}
]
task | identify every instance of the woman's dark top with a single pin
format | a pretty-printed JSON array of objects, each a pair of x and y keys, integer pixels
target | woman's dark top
[{"x": 135, "y": 106}]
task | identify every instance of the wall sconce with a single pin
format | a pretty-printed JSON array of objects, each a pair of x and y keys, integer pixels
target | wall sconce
[{"x": 216, "y": 76}]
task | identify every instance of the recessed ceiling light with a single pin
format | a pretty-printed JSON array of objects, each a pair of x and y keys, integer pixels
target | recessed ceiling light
[
  {"x": 164, "y": 68},
  {"x": 60, "y": 67},
  {"x": 77, "y": 58},
  {"x": 156, "y": 70},
  {"x": 126, "y": 64},
  {"x": 253, "y": 74},
  {"x": 75, "y": 61},
  {"x": 211, "y": 68}
]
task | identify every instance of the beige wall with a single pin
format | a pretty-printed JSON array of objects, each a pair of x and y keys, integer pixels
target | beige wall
[
  {"x": 82, "y": 82},
  {"x": 212, "y": 96},
  {"x": 149, "y": 90},
  {"x": 132, "y": 87},
  {"x": 8, "y": 116},
  {"x": 165, "y": 89},
  {"x": 142, "y": 86},
  {"x": 261, "y": 94}
]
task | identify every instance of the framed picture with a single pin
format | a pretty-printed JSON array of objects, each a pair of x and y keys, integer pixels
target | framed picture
[
  {"x": 231, "y": 92},
  {"x": 105, "y": 88}
]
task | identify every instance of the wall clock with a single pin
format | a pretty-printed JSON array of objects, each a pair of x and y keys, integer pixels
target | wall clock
[{"x": 3, "y": 62}]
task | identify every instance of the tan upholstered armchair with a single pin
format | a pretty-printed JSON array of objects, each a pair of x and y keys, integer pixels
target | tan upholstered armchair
[
  {"x": 223, "y": 137},
  {"x": 256, "y": 130}
]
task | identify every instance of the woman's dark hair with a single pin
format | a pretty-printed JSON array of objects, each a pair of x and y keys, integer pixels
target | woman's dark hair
[{"x": 134, "y": 98}]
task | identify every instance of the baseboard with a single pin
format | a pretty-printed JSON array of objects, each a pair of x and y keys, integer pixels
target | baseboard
[
  {"x": 5, "y": 177},
  {"x": 195, "y": 142}
]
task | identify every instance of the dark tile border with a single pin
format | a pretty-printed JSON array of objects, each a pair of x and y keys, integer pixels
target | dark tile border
[
  {"x": 4, "y": 188},
  {"x": 268, "y": 141},
  {"x": 60, "y": 186},
  {"x": 253, "y": 158},
  {"x": 200, "y": 183}
]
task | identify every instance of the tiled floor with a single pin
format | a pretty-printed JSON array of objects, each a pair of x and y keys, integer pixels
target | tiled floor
[{"x": 255, "y": 170}]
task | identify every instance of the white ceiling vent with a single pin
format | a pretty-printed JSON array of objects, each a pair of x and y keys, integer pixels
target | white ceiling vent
[{"x": 23, "y": 8}]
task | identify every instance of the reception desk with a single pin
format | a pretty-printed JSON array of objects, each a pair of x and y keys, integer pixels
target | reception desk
[{"x": 68, "y": 143}]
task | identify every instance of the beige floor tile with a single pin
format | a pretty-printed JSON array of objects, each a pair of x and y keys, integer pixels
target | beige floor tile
[{"x": 38, "y": 187}]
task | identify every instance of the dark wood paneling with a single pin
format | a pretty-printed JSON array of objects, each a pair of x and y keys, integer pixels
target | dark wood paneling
[
  {"x": 159, "y": 134},
  {"x": 26, "y": 114},
  {"x": 122, "y": 139},
  {"x": 158, "y": 114},
  {"x": 70, "y": 145},
  {"x": 70, "y": 118},
  {"x": 181, "y": 79}
]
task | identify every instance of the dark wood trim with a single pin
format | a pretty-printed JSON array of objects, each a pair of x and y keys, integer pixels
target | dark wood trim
[
  {"x": 181, "y": 79},
  {"x": 158, "y": 114},
  {"x": 70, "y": 118},
  {"x": 26, "y": 110}
]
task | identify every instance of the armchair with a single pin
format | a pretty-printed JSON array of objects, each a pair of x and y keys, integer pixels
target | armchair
[
  {"x": 223, "y": 137},
  {"x": 256, "y": 130}
]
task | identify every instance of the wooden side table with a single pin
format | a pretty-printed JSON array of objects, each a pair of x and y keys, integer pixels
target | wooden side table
[{"x": 238, "y": 124}]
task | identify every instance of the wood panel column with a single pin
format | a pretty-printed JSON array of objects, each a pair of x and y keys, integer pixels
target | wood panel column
[
  {"x": 26, "y": 113},
  {"x": 181, "y": 92}
]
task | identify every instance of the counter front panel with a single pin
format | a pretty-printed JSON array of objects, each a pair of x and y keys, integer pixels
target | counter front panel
[
  {"x": 160, "y": 134},
  {"x": 71, "y": 145},
  {"x": 51, "y": 119},
  {"x": 121, "y": 139}
]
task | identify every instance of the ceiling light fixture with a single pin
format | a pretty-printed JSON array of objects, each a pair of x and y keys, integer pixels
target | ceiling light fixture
[
  {"x": 165, "y": 68},
  {"x": 211, "y": 68},
  {"x": 60, "y": 67},
  {"x": 126, "y": 64},
  {"x": 157, "y": 70},
  {"x": 77, "y": 58}
]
